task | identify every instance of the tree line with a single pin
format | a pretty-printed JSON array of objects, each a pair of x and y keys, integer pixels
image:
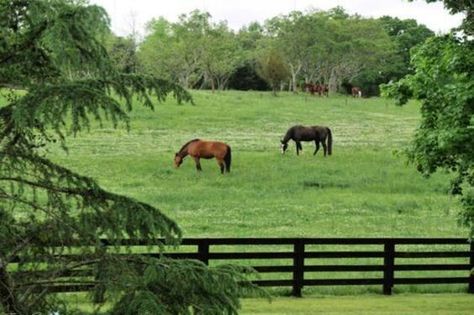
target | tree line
[{"x": 283, "y": 53}]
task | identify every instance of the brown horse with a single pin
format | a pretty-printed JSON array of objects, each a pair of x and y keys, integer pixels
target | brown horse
[
  {"x": 356, "y": 91},
  {"x": 198, "y": 149},
  {"x": 311, "y": 88},
  {"x": 321, "y": 89},
  {"x": 318, "y": 134}
]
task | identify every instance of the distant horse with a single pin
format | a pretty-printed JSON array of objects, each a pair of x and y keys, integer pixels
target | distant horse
[
  {"x": 321, "y": 89},
  {"x": 311, "y": 88},
  {"x": 198, "y": 149},
  {"x": 318, "y": 134},
  {"x": 356, "y": 91}
]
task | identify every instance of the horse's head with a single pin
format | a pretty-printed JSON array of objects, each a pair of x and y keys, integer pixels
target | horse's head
[
  {"x": 178, "y": 160},
  {"x": 283, "y": 146}
]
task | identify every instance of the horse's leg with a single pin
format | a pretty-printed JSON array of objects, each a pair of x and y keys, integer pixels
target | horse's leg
[
  {"x": 324, "y": 147},
  {"x": 221, "y": 165},
  {"x": 317, "y": 147},
  {"x": 298, "y": 147},
  {"x": 198, "y": 163}
]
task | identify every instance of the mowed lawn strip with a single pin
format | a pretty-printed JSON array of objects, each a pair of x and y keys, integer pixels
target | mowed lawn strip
[
  {"x": 404, "y": 304},
  {"x": 433, "y": 304}
]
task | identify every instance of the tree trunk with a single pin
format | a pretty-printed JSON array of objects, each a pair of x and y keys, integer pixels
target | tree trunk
[
  {"x": 294, "y": 73},
  {"x": 274, "y": 89},
  {"x": 212, "y": 83}
]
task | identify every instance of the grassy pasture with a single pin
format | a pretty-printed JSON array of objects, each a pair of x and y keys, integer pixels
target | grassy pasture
[{"x": 365, "y": 189}]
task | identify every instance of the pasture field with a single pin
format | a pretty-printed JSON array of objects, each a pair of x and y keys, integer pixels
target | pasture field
[{"x": 365, "y": 189}]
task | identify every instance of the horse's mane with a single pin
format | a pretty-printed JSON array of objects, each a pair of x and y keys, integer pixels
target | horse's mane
[{"x": 186, "y": 144}]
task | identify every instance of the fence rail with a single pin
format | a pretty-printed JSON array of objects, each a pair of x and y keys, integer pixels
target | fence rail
[{"x": 301, "y": 260}]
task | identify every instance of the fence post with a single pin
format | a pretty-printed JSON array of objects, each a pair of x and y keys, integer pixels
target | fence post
[
  {"x": 388, "y": 267},
  {"x": 203, "y": 251},
  {"x": 471, "y": 271},
  {"x": 298, "y": 267},
  {"x": 99, "y": 293}
]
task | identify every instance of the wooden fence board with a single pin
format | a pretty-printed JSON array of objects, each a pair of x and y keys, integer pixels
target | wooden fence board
[{"x": 295, "y": 253}]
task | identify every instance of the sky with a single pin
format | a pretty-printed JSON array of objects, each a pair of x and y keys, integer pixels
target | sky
[{"x": 129, "y": 15}]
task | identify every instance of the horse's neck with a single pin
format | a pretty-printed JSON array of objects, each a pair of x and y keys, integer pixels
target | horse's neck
[
  {"x": 183, "y": 153},
  {"x": 287, "y": 137}
]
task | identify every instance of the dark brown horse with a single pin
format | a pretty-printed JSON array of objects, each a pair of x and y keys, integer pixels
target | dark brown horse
[
  {"x": 356, "y": 91},
  {"x": 198, "y": 149},
  {"x": 318, "y": 134}
]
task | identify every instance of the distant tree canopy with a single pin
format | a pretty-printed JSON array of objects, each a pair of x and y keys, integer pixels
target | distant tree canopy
[
  {"x": 329, "y": 47},
  {"x": 193, "y": 51}
]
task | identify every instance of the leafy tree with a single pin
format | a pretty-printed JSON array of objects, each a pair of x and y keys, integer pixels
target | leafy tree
[
  {"x": 443, "y": 80},
  {"x": 361, "y": 49},
  {"x": 272, "y": 68},
  {"x": 174, "y": 50},
  {"x": 406, "y": 34},
  {"x": 192, "y": 51},
  {"x": 60, "y": 79},
  {"x": 156, "y": 52},
  {"x": 300, "y": 38},
  {"x": 245, "y": 76},
  {"x": 122, "y": 52},
  {"x": 222, "y": 55},
  {"x": 330, "y": 46}
]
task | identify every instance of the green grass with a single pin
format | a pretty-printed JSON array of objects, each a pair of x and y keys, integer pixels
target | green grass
[
  {"x": 433, "y": 304},
  {"x": 364, "y": 189}
]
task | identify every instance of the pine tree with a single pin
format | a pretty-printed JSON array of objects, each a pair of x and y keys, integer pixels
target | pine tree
[{"x": 60, "y": 79}]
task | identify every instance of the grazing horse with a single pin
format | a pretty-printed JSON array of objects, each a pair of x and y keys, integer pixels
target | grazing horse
[
  {"x": 318, "y": 134},
  {"x": 356, "y": 91},
  {"x": 198, "y": 149}
]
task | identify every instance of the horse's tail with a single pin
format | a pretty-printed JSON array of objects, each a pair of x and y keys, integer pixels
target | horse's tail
[
  {"x": 329, "y": 141},
  {"x": 228, "y": 159}
]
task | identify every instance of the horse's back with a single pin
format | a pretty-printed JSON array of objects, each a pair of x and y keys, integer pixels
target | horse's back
[
  {"x": 321, "y": 132},
  {"x": 296, "y": 129},
  {"x": 208, "y": 149},
  {"x": 303, "y": 133}
]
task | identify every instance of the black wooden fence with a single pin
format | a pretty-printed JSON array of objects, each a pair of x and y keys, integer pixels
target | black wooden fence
[{"x": 297, "y": 258}]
